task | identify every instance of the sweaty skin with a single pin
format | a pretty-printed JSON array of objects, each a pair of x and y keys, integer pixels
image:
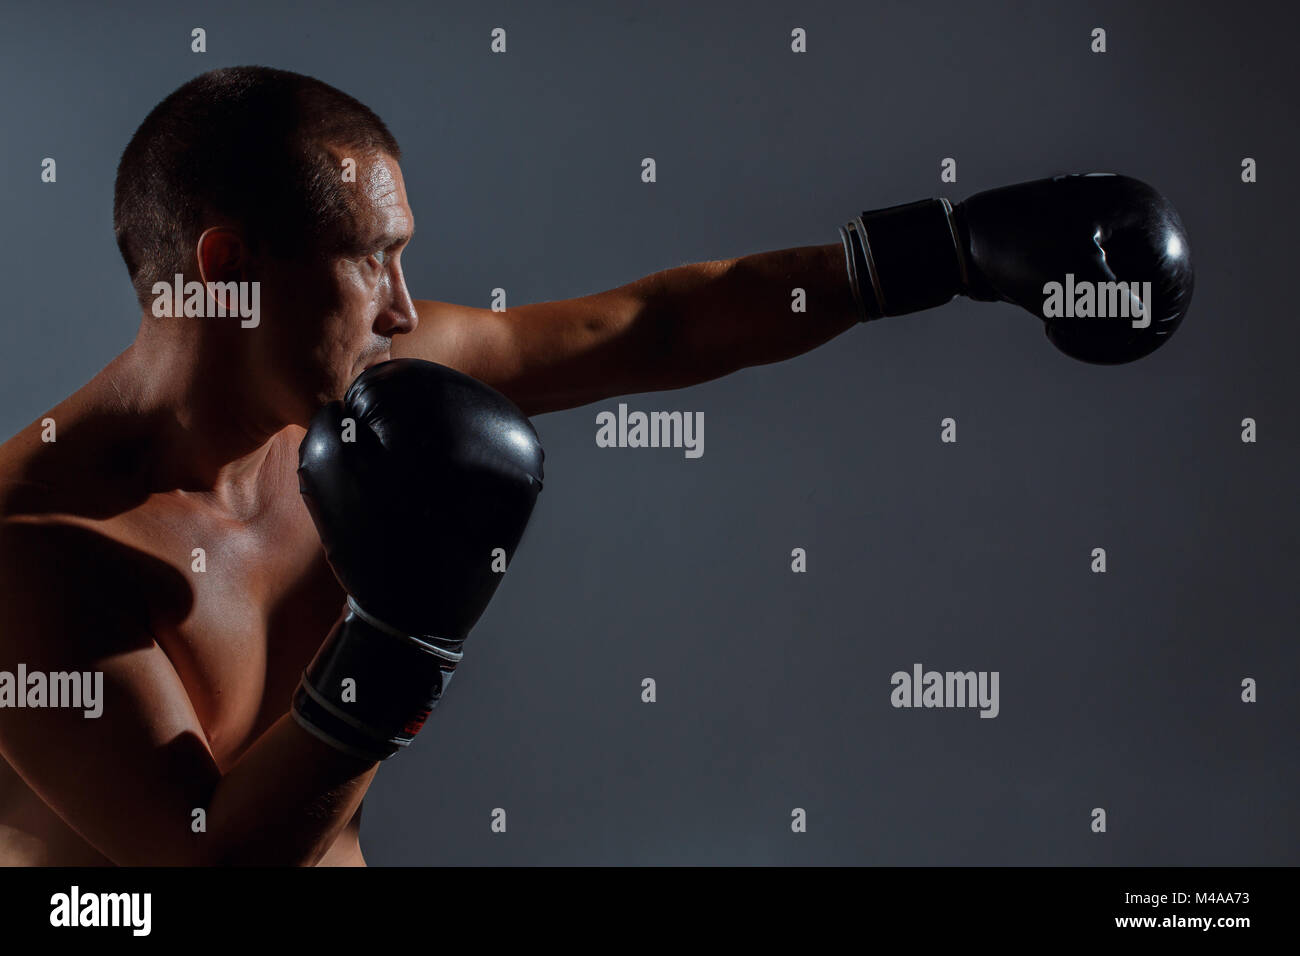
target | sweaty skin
[{"x": 188, "y": 440}]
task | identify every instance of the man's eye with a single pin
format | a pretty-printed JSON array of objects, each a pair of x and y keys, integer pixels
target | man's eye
[{"x": 380, "y": 257}]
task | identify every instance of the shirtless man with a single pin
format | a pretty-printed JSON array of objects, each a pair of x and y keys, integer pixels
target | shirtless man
[{"x": 189, "y": 439}]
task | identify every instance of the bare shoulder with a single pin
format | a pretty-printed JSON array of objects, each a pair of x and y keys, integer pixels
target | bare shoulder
[
  {"x": 475, "y": 341},
  {"x": 69, "y": 460},
  {"x": 69, "y": 548}
]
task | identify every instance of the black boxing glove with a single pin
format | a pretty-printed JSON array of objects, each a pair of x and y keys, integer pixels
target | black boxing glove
[
  {"x": 1007, "y": 244},
  {"x": 414, "y": 481}
]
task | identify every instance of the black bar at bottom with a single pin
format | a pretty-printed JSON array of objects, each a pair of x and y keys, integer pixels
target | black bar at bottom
[{"x": 654, "y": 905}]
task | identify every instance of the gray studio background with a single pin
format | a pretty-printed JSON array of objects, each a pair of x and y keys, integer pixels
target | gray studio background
[{"x": 1118, "y": 691}]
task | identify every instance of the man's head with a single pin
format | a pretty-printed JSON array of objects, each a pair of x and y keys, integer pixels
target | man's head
[{"x": 239, "y": 176}]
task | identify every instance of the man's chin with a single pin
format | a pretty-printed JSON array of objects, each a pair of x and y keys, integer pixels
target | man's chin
[
  {"x": 334, "y": 391},
  {"x": 304, "y": 413}
]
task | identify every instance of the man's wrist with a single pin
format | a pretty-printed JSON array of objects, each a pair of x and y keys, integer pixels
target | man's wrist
[
  {"x": 904, "y": 258},
  {"x": 370, "y": 688}
]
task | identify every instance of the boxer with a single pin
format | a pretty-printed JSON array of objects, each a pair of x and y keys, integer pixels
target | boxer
[{"x": 275, "y": 605}]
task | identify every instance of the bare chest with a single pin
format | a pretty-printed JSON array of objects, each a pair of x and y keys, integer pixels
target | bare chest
[{"x": 243, "y": 613}]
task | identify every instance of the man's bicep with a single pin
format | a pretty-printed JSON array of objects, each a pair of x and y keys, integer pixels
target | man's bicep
[
  {"x": 545, "y": 355},
  {"x": 108, "y": 738}
]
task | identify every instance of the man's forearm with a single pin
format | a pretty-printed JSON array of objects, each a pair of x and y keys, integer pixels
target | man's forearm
[
  {"x": 717, "y": 317},
  {"x": 286, "y": 801}
]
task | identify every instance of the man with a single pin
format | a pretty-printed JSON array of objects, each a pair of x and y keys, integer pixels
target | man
[{"x": 160, "y": 538}]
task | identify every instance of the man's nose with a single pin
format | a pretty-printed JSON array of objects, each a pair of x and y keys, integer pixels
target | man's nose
[{"x": 400, "y": 317}]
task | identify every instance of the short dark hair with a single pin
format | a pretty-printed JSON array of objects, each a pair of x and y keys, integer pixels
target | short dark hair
[{"x": 245, "y": 142}]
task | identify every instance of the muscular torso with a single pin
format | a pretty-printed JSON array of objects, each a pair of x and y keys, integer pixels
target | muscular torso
[{"x": 238, "y": 633}]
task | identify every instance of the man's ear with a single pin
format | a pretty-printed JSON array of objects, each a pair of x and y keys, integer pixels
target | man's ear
[{"x": 222, "y": 256}]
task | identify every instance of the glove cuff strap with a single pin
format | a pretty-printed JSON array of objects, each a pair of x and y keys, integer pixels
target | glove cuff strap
[
  {"x": 855, "y": 261},
  {"x": 448, "y": 651},
  {"x": 370, "y": 688},
  {"x": 904, "y": 258}
]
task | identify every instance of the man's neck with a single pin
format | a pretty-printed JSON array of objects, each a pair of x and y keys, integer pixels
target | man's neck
[{"x": 206, "y": 432}]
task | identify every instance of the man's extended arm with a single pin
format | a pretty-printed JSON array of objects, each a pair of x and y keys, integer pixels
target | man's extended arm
[
  {"x": 668, "y": 330},
  {"x": 1114, "y": 238}
]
